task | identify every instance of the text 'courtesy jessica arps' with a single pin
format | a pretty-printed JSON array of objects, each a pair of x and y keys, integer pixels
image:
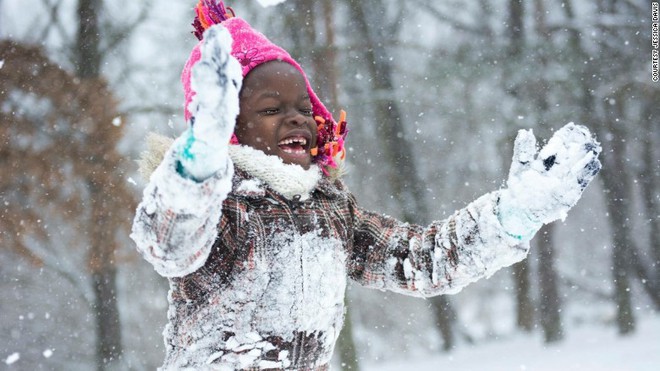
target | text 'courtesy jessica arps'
[{"x": 655, "y": 41}]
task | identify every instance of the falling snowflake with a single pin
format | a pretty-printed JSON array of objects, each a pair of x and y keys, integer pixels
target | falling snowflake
[
  {"x": 266, "y": 3},
  {"x": 12, "y": 358}
]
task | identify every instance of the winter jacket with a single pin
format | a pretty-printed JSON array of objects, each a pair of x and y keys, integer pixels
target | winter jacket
[{"x": 257, "y": 276}]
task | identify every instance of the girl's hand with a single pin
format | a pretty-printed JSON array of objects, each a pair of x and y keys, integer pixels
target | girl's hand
[
  {"x": 543, "y": 185},
  {"x": 216, "y": 80}
]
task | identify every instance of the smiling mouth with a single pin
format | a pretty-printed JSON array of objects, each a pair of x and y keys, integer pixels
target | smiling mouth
[{"x": 294, "y": 145}]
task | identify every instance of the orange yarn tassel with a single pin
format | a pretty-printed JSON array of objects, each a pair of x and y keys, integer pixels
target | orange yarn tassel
[{"x": 342, "y": 118}]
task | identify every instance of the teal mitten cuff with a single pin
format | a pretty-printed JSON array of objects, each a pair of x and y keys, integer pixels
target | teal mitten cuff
[
  {"x": 196, "y": 159},
  {"x": 516, "y": 221}
]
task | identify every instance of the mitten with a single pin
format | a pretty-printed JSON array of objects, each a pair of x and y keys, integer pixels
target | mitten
[
  {"x": 543, "y": 185},
  {"x": 216, "y": 80}
]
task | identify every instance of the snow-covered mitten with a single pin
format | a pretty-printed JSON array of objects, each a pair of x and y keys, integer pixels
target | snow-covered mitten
[
  {"x": 216, "y": 80},
  {"x": 543, "y": 185}
]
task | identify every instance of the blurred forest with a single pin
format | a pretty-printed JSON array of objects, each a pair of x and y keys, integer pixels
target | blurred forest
[{"x": 435, "y": 93}]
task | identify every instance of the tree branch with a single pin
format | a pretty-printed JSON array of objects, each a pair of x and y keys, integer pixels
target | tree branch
[
  {"x": 156, "y": 108},
  {"x": 447, "y": 19},
  {"x": 118, "y": 35}
]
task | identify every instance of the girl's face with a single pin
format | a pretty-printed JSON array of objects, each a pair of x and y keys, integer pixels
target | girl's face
[{"x": 276, "y": 113}]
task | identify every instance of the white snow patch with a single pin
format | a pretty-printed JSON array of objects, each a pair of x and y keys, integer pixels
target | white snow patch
[
  {"x": 131, "y": 180},
  {"x": 269, "y": 364},
  {"x": 250, "y": 186},
  {"x": 267, "y": 3},
  {"x": 48, "y": 353},
  {"x": 2, "y": 62},
  {"x": 12, "y": 358},
  {"x": 116, "y": 121},
  {"x": 588, "y": 348}
]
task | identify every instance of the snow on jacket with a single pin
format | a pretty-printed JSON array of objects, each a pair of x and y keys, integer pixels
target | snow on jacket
[{"x": 258, "y": 258}]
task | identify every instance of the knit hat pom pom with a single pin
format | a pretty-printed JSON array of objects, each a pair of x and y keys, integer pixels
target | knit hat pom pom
[{"x": 208, "y": 14}]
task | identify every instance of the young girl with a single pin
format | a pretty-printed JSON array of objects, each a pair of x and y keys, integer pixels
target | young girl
[{"x": 248, "y": 219}]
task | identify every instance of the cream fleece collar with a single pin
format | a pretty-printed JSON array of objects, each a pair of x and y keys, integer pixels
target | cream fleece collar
[{"x": 286, "y": 179}]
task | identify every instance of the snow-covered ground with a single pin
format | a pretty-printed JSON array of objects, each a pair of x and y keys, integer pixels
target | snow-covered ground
[{"x": 584, "y": 349}]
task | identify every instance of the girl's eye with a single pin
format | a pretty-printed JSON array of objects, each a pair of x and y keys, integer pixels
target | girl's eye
[
  {"x": 270, "y": 111},
  {"x": 307, "y": 112}
]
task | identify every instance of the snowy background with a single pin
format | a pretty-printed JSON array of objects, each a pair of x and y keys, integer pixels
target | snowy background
[
  {"x": 587, "y": 348},
  {"x": 435, "y": 93}
]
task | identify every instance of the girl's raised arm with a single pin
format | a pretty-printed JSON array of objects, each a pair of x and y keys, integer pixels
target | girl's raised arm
[
  {"x": 488, "y": 234},
  {"x": 176, "y": 223}
]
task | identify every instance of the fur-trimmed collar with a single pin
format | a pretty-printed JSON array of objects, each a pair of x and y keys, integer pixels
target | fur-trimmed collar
[{"x": 291, "y": 181}]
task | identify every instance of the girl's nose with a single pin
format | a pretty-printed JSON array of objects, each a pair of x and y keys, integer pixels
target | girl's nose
[{"x": 295, "y": 117}]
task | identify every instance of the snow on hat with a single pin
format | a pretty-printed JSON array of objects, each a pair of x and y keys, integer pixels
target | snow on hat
[{"x": 251, "y": 49}]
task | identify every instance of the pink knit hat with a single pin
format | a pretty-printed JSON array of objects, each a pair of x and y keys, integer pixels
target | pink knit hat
[{"x": 251, "y": 48}]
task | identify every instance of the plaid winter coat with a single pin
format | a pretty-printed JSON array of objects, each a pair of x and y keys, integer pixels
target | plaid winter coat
[{"x": 257, "y": 279}]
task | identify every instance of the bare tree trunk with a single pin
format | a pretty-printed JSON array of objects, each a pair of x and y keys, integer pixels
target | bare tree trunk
[
  {"x": 104, "y": 273},
  {"x": 550, "y": 301},
  {"x": 404, "y": 177},
  {"x": 346, "y": 344},
  {"x": 649, "y": 180},
  {"x": 329, "y": 56},
  {"x": 106, "y": 316},
  {"x": 445, "y": 318},
  {"x": 515, "y": 29},
  {"x": 615, "y": 181},
  {"x": 521, "y": 270},
  {"x": 616, "y": 178},
  {"x": 88, "y": 58},
  {"x": 620, "y": 261},
  {"x": 101, "y": 256},
  {"x": 524, "y": 305},
  {"x": 617, "y": 188}
]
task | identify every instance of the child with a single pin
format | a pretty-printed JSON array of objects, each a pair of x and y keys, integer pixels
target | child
[{"x": 258, "y": 237}]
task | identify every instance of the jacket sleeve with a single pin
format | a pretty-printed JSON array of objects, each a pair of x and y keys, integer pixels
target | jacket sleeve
[
  {"x": 439, "y": 259},
  {"x": 176, "y": 223}
]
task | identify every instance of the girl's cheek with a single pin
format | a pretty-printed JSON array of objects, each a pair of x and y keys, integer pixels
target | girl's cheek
[{"x": 244, "y": 128}]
